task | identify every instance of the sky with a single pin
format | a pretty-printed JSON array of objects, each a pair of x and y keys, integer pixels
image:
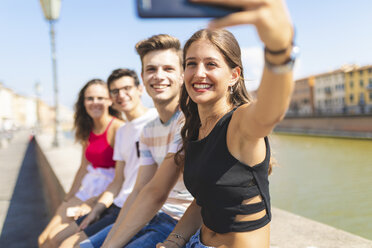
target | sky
[{"x": 94, "y": 37}]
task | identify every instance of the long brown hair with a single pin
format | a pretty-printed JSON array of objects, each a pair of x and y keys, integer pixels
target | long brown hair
[
  {"x": 229, "y": 47},
  {"x": 83, "y": 123}
]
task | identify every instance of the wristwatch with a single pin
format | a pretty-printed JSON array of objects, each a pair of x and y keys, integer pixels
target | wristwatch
[{"x": 285, "y": 67}]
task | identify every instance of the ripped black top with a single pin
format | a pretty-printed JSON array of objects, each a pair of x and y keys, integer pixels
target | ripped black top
[{"x": 220, "y": 183}]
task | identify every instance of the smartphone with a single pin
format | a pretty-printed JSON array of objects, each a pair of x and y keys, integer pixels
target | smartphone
[
  {"x": 71, "y": 211},
  {"x": 180, "y": 9}
]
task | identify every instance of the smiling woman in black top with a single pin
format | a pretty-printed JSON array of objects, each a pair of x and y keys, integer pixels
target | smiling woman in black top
[{"x": 225, "y": 145}]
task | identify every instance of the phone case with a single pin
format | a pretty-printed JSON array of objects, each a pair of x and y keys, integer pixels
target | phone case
[{"x": 179, "y": 9}]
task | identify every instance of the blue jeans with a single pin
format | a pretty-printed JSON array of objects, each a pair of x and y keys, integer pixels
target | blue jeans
[
  {"x": 97, "y": 239},
  {"x": 107, "y": 218},
  {"x": 195, "y": 242},
  {"x": 156, "y": 231}
]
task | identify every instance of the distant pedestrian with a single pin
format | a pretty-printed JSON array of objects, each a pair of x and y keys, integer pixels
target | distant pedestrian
[{"x": 95, "y": 124}]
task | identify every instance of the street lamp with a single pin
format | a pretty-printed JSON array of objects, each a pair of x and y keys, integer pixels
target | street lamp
[
  {"x": 38, "y": 89},
  {"x": 51, "y": 10}
]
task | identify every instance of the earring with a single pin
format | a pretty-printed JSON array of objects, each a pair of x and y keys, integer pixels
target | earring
[{"x": 231, "y": 90}]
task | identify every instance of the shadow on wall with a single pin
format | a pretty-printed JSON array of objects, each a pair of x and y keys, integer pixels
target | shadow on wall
[{"x": 27, "y": 213}]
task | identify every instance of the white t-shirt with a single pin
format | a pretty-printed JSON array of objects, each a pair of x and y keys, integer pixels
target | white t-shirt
[
  {"x": 157, "y": 140},
  {"x": 127, "y": 149}
]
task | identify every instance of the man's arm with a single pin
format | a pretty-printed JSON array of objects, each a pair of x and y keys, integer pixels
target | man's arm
[
  {"x": 107, "y": 197},
  {"x": 185, "y": 228},
  {"x": 145, "y": 173},
  {"x": 147, "y": 204}
]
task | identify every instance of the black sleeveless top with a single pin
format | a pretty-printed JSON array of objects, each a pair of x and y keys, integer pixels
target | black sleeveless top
[{"x": 220, "y": 183}]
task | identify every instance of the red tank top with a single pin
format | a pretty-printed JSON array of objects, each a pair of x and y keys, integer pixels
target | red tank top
[{"x": 99, "y": 152}]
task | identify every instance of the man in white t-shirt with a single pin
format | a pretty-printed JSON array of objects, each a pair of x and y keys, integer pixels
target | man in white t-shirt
[
  {"x": 125, "y": 92},
  {"x": 159, "y": 185}
]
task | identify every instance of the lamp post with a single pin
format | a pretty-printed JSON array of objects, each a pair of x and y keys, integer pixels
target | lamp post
[
  {"x": 38, "y": 89},
  {"x": 51, "y": 10}
]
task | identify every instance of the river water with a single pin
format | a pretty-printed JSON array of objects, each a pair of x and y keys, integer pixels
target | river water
[{"x": 325, "y": 179}]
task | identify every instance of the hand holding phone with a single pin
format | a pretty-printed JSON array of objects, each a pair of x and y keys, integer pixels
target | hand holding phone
[{"x": 270, "y": 18}]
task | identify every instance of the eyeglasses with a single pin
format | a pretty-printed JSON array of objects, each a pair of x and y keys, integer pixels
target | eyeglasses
[
  {"x": 115, "y": 92},
  {"x": 99, "y": 99}
]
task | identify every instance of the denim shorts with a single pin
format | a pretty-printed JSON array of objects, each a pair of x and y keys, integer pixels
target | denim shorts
[
  {"x": 107, "y": 218},
  {"x": 95, "y": 182},
  {"x": 195, "y": 242},
  {"x": 156, "y": 231}
]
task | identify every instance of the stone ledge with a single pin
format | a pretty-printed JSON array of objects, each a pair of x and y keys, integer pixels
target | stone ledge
[
  {"x": 57, "y": 167},
  {"x": 287, "y": 230},
  {"x": 53, "y": 190},
  {"x": 293, "y": 231}
]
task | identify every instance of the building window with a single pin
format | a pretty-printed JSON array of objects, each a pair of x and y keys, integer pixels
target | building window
[
  {"x": 361, "y": 73},
  {"x": 370, "y": 96},
  {"x": 370, "y": 82},
  {"x": 328, "y": 90},
  {"x": 351, "y": 97},
  {"x": 351, "y": 84},
  {"x": 361, "y": 83},
  {"x": 340, "y": 87},
  {"x": 361, "y": 97},
  {"x": 351, "y": 74},
  {"x": 370, "y": 70}
]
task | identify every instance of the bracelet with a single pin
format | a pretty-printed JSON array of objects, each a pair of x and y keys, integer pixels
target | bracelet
[
  {"x": 174, "y": 242},
  {"x": 178, "y": 236},
  {"x": 286, "y": 66},
  {"x": 278, "y": 52},
  {"x": 283, "y": 51}
]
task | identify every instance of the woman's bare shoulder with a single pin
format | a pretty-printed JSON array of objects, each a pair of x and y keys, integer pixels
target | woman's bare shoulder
[{"x": 241, "y": 111}]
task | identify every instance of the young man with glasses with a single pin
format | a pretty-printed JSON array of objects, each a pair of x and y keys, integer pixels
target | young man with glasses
[{"x": 125, "y": 92}]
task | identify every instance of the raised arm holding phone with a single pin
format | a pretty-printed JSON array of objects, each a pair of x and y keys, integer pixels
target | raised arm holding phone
[{"x": 226, "y": 149}]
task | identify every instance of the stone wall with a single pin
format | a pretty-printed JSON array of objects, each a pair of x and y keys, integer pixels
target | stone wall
[{"x": 353, "y": 125}]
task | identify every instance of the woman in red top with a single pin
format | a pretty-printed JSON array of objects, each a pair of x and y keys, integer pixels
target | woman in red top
[{"x": 95, "y": 124}]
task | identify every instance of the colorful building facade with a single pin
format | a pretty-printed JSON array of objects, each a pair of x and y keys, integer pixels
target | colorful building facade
[
  {"x": 18, "y": 111},
  {"x": 347, "y": 90},
  {"x": 329, "y": 93},
  {"x": 358, "y": 90},
  {"x": 302, "y": 102}
]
